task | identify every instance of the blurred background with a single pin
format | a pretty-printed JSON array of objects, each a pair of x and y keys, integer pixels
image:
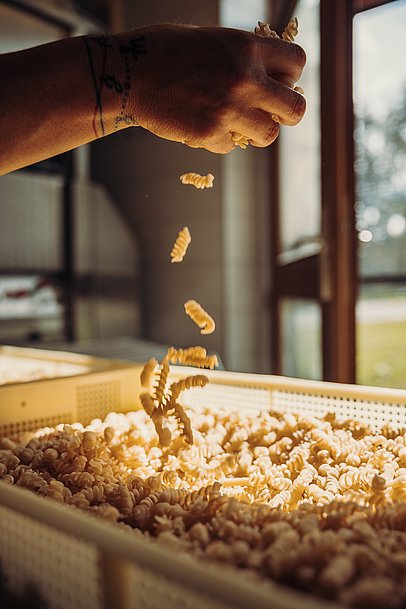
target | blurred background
[{"x": 298, "y": 251}]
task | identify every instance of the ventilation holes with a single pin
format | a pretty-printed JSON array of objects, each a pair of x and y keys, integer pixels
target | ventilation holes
[{"x": 96, "y": 400}]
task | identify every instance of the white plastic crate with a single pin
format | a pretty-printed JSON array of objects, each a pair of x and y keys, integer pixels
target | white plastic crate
[
  {"x": 61, "y": 387},
  {"x": 76, "y": 560}
]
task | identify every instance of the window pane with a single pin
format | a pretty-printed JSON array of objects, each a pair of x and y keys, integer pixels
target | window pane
[
  {"x": 301, "y": 338},
  {"x": 380, "y": 168},
  {"x": 381, "y": 335},
  {"x": 242, "y": 14},
  {"x": 299, "y": 148}
]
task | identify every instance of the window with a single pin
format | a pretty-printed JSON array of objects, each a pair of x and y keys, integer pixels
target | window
[
  {"x": 338, "y": 253},
  {"x": 296, "y": 243},
  {"x": 380, "y": 168}
]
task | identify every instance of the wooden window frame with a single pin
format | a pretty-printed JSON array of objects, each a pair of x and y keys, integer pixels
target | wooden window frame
[{"x": 330, "y": 276}]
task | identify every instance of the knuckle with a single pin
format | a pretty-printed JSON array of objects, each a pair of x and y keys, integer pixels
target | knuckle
[
  {"x": 300, "y": 55},
  {"x": 271, "y": 134}
]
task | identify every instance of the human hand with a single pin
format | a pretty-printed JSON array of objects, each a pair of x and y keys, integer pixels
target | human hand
[{"x": 198, "y": 85}]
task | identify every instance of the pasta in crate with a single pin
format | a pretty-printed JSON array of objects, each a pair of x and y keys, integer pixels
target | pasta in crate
[{"x": 315, "y": 503}]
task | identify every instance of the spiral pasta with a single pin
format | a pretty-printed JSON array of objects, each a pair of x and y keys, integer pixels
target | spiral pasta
[
  {"x": 162, "y": 404},
  {"x": 291, "y": 30},
  {"x": 239, "y": 140},
  {"x": 148, "y": 371},
  {"x": 193, "y": 356},
  {"x": 197, "y": 180},
  {"x": 263, "y": 29},
  {"x": 288, "y": 34},
  {"x": 200, "y": 317},
  {"x": 181, "y": 244},
  {"x": 259, "y": 491}
]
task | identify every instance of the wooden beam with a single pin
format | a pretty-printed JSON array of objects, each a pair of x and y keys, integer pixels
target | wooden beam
[{"x": 337, "y": 150}]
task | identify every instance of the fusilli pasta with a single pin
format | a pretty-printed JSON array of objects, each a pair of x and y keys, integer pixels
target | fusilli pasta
[
  {"x": 200, "y": 317},
  {"x": 198, "y": 180},
  {"x": 181, "y": 244}
]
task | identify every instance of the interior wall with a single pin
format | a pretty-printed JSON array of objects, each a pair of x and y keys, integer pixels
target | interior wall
[{"x": 225, "y": 267}]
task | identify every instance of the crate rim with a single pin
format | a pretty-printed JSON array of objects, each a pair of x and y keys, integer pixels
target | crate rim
[
  {"x": 295, "y": 385},
  {"x": 114, "y": 543}
]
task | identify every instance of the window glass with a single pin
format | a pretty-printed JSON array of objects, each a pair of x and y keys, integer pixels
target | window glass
[
  {"x": 301, "y": 324},
  {"x": 380, "y": 169},
  {"x": 299, "y": 147},
  {"x": 242, "y": 14}
]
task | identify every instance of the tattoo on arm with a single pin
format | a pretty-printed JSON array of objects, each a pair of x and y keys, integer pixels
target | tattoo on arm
[
  {"x": 133, "y": 49},
  {"x": 119, "y": 84},
  {"x": 98, "y": 106}
]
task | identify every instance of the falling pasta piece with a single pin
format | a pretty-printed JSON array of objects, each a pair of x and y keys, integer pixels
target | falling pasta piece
[
  {"x": 198, "y": 380},
  {"x": 181, "y": 355},
  {"x": 299, "y": 90},
  {"x": 200, "y": 317},
  {"x": 148, "y": 371},
  {"x": 162, "y": 403},
  {"x": 240, "y": 140},
  {"x": 181, "y": 244},
  {"x": 194, "y": 356},
  {"x": 275, "y": 118},
  {"x": 161, "y": 382},
  {"x": 197, "y": 180}
]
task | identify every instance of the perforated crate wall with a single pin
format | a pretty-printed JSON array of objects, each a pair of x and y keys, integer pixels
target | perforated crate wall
[
  {"x": 150, "y": 590},
  {"x": 9, "y": 430},
  {"x": 368, "y": 411},
  {"x": 97, "y": 399},
  {"x": 367, "y": 404},
  {"x": 63, "y": 570}
]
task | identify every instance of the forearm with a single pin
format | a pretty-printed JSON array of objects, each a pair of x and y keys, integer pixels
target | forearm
[
  {"x": 58, "y": 96},
  {"x": 189, "y": 84}
]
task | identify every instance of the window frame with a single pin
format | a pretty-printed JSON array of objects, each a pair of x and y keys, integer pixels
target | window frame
[{"x": 330, "y": 276}]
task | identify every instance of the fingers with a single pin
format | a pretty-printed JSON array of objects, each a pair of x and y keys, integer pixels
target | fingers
[
  {"x": 284, "y": 79},
  {"x": 281, "y": 100},
  {"x": 258, "y": 127},
  {"x": 281, "y": 57}
]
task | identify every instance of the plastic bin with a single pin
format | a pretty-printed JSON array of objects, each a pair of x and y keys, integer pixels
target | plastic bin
[{"x": 78, "y": 561}]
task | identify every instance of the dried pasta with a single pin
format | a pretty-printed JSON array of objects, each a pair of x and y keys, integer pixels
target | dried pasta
[
  {"x": 181, "y": 244},
  {"x": 162, "y": 404},
  {"x": 291, "y": 30},
  {"x": 197, "y": 180},
  {"x": 240, "y": 140},
  {"x": 288, "y": 34},
  {"x": 261, "y": 492},
  {"x": 148, "y": 372},
  {"x": 193, "y": 356},
  {"x": 200, "y": 317},
  {"x": 264, "y": 29}
]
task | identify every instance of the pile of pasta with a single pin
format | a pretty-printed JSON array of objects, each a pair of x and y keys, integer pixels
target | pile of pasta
[{"x": 316, "y": 504}]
